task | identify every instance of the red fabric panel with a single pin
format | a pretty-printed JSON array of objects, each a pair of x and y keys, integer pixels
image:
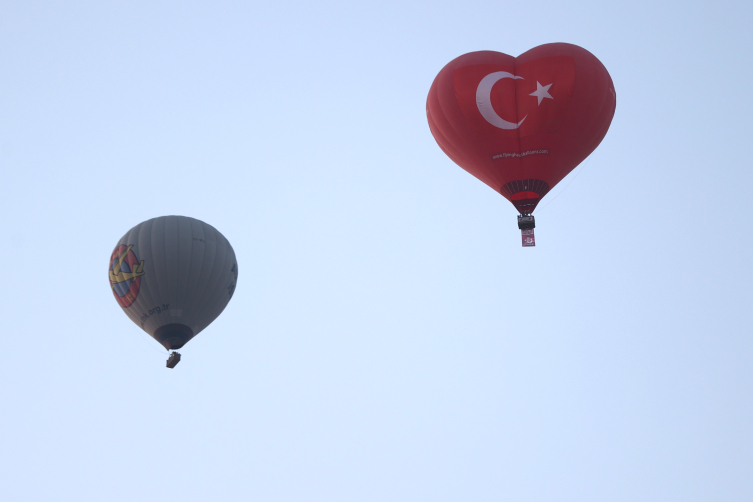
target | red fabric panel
[{"x": 515, "y": 122}]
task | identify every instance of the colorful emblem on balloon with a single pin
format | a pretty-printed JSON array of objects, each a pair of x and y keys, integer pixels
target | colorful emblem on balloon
[{"x": 125, "y": 275}]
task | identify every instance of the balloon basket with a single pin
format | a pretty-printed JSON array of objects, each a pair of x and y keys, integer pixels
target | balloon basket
[
  {"x": 173, "y": 360},
  {"x": 526, "y": 224}
]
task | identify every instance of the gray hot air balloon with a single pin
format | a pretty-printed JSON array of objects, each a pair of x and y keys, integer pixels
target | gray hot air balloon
[{"x": 173, "y": 276}]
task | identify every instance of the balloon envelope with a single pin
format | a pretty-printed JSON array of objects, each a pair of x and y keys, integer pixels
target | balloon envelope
[
  {"x": 521, "y": 124},
  {"x": 173, "y": 276}
]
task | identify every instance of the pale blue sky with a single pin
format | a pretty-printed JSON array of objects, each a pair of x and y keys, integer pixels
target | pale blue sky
[{"x": 389, "y": 339}]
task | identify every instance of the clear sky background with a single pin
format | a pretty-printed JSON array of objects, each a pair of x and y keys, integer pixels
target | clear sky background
[{"x": 389, "y": 338}]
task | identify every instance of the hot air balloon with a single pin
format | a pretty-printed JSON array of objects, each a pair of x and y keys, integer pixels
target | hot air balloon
[
  {"x": 173, "y": 276},
  {"x": 521, "y": 124}
]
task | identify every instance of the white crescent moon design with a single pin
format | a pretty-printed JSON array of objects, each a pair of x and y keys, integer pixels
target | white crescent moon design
[{"x": 484, "y": 102}]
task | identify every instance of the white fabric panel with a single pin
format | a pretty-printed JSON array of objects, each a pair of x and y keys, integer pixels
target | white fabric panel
[{"x": 187, "y": 266}]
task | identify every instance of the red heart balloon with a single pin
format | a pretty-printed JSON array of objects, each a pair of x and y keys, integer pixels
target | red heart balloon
[{"x": 521, "y": 124}]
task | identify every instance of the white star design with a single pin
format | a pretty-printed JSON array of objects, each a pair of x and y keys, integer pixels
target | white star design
[{"x": 541, "y": 92}]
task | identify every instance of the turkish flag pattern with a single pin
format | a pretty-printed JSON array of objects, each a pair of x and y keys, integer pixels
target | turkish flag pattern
[{"x": 521, "y": 124}]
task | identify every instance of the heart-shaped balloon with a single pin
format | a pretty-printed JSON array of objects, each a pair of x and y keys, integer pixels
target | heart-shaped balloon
[{"x": 521, "y": 124}]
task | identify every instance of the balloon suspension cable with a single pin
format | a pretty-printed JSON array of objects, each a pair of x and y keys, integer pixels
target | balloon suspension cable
[
  {"x": 148, "y": 341},
  {"x": 583, "y": 166}
]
